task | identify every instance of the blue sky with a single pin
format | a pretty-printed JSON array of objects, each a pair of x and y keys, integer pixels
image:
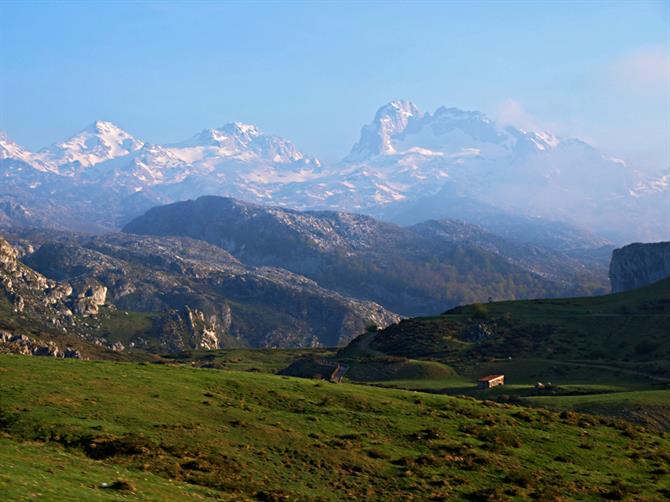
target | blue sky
[{"x": 316, "y": 72}]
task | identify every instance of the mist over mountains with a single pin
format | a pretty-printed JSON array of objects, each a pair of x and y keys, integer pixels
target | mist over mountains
[{"x": 408, "y": 166}]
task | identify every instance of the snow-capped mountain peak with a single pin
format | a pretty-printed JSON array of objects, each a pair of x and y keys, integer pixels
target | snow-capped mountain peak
[
  {"x": 399, "y": 127},
  {"x": 233, "y": 135},
  {"x": 97, "y": 143},
  {"x": 11, "y": 151},
  {"x": 240, "y": 129},
  {"x": 244, "y": 142},
  {"x": 390, "y": 120},
  {"x": 408, "y": 164},
  {"x": 104, "y": 127},
  {"x": 397, "y": 112}
]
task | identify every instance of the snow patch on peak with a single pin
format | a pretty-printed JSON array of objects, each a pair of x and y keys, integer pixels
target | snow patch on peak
[
  {"x": 617, "y": 160},
  {"x": 543, "y": 140}
]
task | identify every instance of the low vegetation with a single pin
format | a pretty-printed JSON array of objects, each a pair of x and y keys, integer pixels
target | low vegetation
[{"x": 165, "y": 432}]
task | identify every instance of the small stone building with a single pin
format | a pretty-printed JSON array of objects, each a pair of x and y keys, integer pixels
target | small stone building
[{"x": 490, "y": 381}]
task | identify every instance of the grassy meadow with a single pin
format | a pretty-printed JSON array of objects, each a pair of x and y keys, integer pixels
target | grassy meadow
[{"x": 173, "y": 432}]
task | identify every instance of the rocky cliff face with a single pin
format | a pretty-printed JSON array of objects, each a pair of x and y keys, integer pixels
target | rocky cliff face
[{"x": 637, "y": 265}]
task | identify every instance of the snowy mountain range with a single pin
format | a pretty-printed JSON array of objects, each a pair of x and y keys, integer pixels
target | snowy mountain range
[{"x": 408, "y": 166}]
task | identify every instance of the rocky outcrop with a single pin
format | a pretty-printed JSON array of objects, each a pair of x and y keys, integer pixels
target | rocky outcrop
[
  {"x": 30, "y": 292},
  {"x": 27, "y": 346},
  {"x": 191, "y": 329},
  {"x": 204, "y": 331},
  {"x": 637, "y": 265},
  {"x": 88, "y": 296}
]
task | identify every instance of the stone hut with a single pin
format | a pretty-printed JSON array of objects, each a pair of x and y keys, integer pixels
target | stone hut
[{"x": 489, "y": 381}]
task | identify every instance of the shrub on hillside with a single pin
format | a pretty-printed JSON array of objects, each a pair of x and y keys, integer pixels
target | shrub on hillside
[{"x": 479, "y": 310}]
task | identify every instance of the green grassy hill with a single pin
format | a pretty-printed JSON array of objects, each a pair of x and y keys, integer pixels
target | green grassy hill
[
  {"x": 594, "y": 351},
  {"x": 627, "y": 327},
  {"x": 164, "y": 432}
]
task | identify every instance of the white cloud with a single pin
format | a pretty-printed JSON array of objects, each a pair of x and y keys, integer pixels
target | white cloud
[
  {"x": 643, "y": 71},
  {"x": 511, "y": 112}
]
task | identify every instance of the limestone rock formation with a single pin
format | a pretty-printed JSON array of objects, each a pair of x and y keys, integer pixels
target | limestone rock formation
[
  {"x": 30, "y": 292},
  {"x": 88, "y": 296},
  {"x": 25, "y": 345}
]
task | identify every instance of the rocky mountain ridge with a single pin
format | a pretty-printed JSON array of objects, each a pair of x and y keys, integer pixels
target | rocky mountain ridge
[{"x": 413, "y": 271}]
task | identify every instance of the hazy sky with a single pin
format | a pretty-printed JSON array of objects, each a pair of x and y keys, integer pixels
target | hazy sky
[{"x": 316, "y": 72}]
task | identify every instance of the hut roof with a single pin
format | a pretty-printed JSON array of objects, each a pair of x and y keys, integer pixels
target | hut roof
[{"x": 488, "y": 378}]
